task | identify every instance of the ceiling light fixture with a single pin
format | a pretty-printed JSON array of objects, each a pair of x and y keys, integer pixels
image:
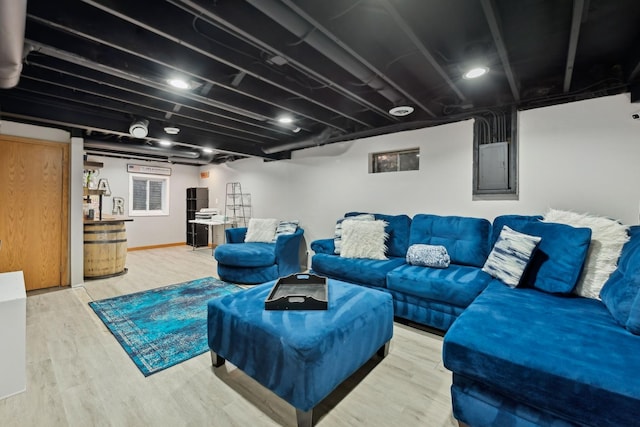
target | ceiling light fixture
[
  {"x": 139, "y": 128},
  {"x": 171, "y": 130},
  {"x": 179, "y": 83},
  {"x": 401, "y": 110},
  {"x": 165, "y": 142},
  {"x": 285, "y": 120},
  {"x": 296, "y": 130},
  {"x": 475, "y": 72},
  {"x": 207, "y": 150}
]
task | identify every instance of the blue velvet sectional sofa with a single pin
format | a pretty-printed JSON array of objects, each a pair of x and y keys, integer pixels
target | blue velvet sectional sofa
[
  {"x": 430, "y": 296},
  {"x": 533, "y": 355}
]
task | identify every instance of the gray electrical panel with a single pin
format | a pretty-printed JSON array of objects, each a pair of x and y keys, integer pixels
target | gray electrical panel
[{"x": 493, "y": 169}]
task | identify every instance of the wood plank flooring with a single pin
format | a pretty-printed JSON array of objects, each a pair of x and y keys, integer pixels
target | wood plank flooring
[{"x": 78, "y": 374}]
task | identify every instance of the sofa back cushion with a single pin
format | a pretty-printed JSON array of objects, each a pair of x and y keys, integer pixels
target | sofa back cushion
[
  {"x": 556, "y": 265},
  {"x": 620, "y": 292},
  {"x": 466, "y": 239},
  {"x": 397, "y": 230}
]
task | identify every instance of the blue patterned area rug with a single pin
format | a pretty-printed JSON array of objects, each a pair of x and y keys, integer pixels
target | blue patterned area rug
[{"x": 162, "y": 327}]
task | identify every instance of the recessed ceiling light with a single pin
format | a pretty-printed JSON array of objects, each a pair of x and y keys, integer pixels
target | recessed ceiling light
[
  {"x": 165, "y": 142},
  {"x": 207, "y": 150},
  {"x": 285, "y": 119},
  {"x": 179, "y": 83},
  {"x": 172, "y": 130},
  {"x": 401, "y": 110},
  {"x": 475, "y": 72}
]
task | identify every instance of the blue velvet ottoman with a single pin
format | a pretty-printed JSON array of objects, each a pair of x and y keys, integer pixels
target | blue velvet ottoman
[{"x": 300, "y": 355}]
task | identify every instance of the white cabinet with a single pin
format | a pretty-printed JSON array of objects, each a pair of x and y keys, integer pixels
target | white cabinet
[{"x": 13, "y": 332}]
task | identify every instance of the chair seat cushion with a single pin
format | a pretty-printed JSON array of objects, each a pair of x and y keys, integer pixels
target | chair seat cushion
[
  {"x": 457, "y": 285},
  {"x": 561, "y": 354},
  {"x": 246, "y": 254}
]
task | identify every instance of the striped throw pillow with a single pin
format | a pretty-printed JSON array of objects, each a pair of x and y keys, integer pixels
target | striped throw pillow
[{"x": 510, "y": 256}]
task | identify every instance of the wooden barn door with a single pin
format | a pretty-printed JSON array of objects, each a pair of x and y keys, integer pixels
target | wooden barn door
[{"x": 34, "y": 211}]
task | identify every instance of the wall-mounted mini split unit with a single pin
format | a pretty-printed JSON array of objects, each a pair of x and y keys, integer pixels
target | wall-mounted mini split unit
[{"x": 139, "y": 128}]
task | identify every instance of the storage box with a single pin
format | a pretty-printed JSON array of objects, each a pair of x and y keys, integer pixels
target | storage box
[{"x": 298, "y": 292}]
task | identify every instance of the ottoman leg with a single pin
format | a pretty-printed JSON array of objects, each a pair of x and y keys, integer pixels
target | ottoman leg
[
  {"x": 216, "y": 360},
  {"x": 384, "y": 350},
  {"x": 305, "y": 418}
]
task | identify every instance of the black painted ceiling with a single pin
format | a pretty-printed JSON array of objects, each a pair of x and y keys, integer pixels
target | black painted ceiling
[{"x": 335, "y": 66}]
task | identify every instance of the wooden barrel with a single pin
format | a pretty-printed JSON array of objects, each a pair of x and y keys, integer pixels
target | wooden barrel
[{"x": 105, "y": 249}]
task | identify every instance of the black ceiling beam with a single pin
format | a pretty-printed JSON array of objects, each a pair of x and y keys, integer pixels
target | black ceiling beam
[
  {"x": 64, "y": 62},
  {"x": 77, "y": 94},
  {"x": 123, "y": 37},
  {"x": 574, "y": 35},
  {"x": 165, "y": 25},
  {"x": 43, "y": 109},
  {"x": 377, "y": 73},
  {"x": 78, "y": 81},
  {"x": 230, "y": 16},
  {"x": 424, "y": 51},
  {"x": 490, "y": 14}
]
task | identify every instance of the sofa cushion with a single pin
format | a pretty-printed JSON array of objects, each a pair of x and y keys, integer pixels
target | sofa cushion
[
  {"x": 398, "y": 231},
  {"x": 561, "y": 354},
  {"x": 510, "y": 256},
  {"x": 557, "y": 263},
  {"x": 607, "y": 239},
  {"x": 466, "y": 238},
  {"x": 337, "y": 240},
  {"x": 456, "y": 285},
  {"x": 371, "y": 272},
  {"x": 363, "y": 239},
  {"x": 261, "y": 230},
  {"x": 428, "y": 256},
  {"x": 285, "y": 228},
  {"x": 620, "y": 293},
  {"x": 246, "y": 254}
]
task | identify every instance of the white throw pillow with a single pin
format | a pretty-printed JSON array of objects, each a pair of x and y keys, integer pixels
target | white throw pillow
[
  {"x": 363, "y": 239},
  {"x": 510, "y": 256},
  {"x": 261, "y": 230},
  {"x": 607, "y": 239},
  {"x": 337, "y": 241}
]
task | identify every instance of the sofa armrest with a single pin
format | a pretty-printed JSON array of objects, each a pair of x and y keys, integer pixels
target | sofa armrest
[
  {"x": 323, "y": 246},
  {"x": 235, "y": 235},
  {"x": 288, "y": 252}
]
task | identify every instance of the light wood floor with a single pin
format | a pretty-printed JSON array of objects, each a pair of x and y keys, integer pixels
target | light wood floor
[{"x": 78, "y": 375}]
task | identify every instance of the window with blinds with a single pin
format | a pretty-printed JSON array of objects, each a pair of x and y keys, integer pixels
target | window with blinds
[{"x": 148, "y": 195}]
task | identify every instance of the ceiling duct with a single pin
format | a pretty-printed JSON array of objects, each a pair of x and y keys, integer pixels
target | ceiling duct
[
  {"x": 323, "y": 44},
  {"x": 13, "y": 15},
  {"x": 313, "y": 141},
  {"x": 142, "y": 148}
]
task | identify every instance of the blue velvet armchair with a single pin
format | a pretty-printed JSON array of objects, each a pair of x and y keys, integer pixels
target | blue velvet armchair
[{"x": 251, "y": 263}]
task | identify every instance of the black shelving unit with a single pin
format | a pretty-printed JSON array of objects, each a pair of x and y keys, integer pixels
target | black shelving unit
[{"x": 197, "y": 198}]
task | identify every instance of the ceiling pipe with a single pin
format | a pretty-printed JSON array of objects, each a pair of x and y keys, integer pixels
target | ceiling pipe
[
  {"x": 13, "y": 15},
  {"x": 205, "y": 160},
  {"x": 313, "y": 141},
  {"x": 323, "y": 44},
  {"x": 141, "y": 148}
]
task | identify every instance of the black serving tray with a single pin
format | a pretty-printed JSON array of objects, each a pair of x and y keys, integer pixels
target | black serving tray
[{"x": 298, "y": 292}]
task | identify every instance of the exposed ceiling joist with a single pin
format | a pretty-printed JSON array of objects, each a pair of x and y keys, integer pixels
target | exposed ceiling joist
[
  {"x": 576, "y": 21},
  {"x": 493, "y": 20},
  {"x": 424, "y": 51}
]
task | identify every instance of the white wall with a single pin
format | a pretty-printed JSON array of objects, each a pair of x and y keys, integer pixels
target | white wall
[
  {"x": 580, "y": 156},
  {"x": 153, "y": 230}
]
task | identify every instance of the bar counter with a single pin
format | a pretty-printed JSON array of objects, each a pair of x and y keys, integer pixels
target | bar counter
[{"x": 105, "y": 247}]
